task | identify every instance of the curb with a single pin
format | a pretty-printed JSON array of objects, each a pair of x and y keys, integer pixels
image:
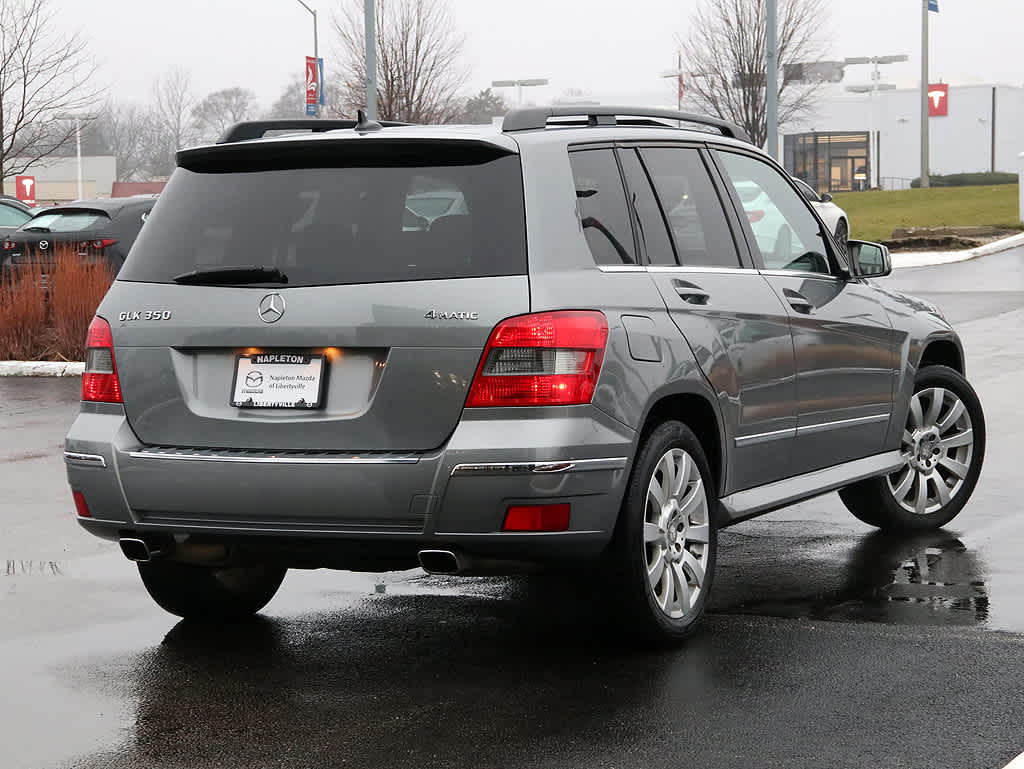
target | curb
[
  {"x": 930, "y": 258},
  {"x": 40, "y": 368}
]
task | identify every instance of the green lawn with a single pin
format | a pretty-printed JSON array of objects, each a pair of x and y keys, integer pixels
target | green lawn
[{"x": 874, "y": 214}]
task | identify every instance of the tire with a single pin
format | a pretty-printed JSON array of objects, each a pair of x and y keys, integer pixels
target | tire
[
  {"x": 210, "y": 594},
  {"x": 944, "y": 444},
  {"x": 663, "y": 555},
  {"x": 842, "y": 235}
]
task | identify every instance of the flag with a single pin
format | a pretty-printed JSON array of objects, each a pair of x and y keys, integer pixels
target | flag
[{"x": 933, "y": 6}]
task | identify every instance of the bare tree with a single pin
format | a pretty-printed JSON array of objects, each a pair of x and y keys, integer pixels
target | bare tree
[
  {"x": 126, "y": 131},
  {"x": 419, "y": 73},
  {"x": 172, "y": 120},
  {"x": 43, "y": 73},
  {"x": 724, "y": 60},
  {"x": 222, "y": 109}
]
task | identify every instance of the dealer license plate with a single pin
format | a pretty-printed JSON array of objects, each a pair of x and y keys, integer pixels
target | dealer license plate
[{"x": 278, "y": 380}]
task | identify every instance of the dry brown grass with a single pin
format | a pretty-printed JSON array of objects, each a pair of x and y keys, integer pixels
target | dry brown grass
[
  {"x": 45, "y": 310},
  {"x": 76, "y": 289},
  {"x": 22, "y": 314}
]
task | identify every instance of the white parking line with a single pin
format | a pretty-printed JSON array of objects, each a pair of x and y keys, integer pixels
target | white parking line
[{"x": 1017, "y": 763}]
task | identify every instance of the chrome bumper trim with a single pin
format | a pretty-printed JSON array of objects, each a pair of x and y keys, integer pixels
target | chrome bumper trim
[
  {"x": 522, "y": 468},
  {"x": 84, "y": 460},
  {"x": 282, "y": 458}
]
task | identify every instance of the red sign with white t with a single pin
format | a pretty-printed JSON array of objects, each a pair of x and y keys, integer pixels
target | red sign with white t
[
  {"x": 311, "y": 80},
  {"x": 25, "y": 189},
  {"x": 938, "y": 100}
]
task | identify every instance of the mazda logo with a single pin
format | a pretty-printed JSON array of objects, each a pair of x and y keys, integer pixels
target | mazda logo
[
  {"x": 43, "y": 245},
  {"x": 271, "y": 308},
  {"x": 253, "y": 379}
]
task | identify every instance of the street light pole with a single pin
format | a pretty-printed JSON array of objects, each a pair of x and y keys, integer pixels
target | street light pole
[
  {"x": 924, "y": 93},
  {"x": 370, "y": 36},
  {"x": 772, "y": 82},
  {"x": 875, "y": 86},
  {"x": 78, "y": 145},
  {"x": 316, "y": 56}
]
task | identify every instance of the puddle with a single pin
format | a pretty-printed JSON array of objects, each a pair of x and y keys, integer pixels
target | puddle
[{"x": 923, "y": 579}]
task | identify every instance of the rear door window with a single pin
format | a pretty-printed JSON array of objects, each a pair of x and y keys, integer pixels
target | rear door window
[
  {"x": 649, "y": 218},
  {"x": 339, "y": 225},
  {"x": 695, "y": 215},
  {"x": 66, "y": 221},
  {"x": 601, "y": 203},
  {"x": 12, "y": 217}
]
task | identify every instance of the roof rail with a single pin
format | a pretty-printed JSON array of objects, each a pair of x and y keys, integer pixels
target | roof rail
[
  {"x": 257, "y": 129},
  {"x": 535, "y": 118}
]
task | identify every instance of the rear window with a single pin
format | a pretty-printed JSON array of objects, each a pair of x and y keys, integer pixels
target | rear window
[
  {"x": 12, "y": 217},
  {"x": 340, "y": 225},
  {"x": 66, "y": 221}
]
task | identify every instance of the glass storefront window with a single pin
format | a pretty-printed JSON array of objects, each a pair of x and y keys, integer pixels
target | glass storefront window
[{"x": 829, "y": 162}]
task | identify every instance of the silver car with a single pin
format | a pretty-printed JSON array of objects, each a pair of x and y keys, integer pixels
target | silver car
[{"x": 590, "y": 366}]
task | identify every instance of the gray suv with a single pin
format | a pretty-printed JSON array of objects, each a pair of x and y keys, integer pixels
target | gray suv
[{"x": 601, "y": 356}]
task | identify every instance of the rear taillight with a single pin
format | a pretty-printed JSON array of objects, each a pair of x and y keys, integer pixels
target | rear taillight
[
  {"x": 8, "y": 245},
  {"x": 546, "y": 359},
  {"x": 101, "y": 244},
  {"x": 99, "y": 381},
  {"x": 755, "y": 216}
]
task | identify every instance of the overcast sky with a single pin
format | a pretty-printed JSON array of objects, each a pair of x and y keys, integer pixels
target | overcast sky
[{"x": 609, "y": 47}]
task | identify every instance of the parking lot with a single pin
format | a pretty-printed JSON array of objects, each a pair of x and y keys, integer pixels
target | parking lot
[{"x": 826, "y": 645}]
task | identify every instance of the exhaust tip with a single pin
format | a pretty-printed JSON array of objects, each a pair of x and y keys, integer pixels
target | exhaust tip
[
  {"x": 135, "y": 549},
  {"x": 439, "y": 561}
]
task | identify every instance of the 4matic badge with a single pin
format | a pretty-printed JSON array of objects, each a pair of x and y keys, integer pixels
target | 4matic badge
[{"x": 460, "y": 315}]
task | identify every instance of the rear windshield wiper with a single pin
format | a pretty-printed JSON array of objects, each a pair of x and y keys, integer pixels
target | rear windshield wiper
[
  {"x": 35, "y": 229},
  {"x": 233, "y": 275}
]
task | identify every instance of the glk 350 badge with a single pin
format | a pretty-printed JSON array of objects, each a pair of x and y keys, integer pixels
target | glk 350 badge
[{"x": 144, "y": 315}]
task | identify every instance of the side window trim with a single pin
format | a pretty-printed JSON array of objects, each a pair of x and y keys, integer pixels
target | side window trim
[
  {"x": 639, "y": 255},
  {"x": 634, "y": 216}
]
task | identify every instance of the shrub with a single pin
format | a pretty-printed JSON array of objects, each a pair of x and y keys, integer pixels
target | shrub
[
  {"x": 968, "y": 180},
  {"x": 76, "y": 289},
  {"x": 22, "y": 313}
]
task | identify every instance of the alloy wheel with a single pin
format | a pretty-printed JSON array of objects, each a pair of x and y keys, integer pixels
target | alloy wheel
[
  {"x": 938, "y": 446},
  {"x": 676, "y": 533}
]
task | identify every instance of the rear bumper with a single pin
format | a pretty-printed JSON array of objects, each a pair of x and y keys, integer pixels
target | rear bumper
[{"x": 372, "y": 503}]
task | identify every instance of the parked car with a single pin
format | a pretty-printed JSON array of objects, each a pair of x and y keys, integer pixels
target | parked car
[
  {"x": 13, "y": 214},
  {"x": 593, "y": 367},
  {"x": 834, "y": 217},
  {"x": 96, "y": 229}
]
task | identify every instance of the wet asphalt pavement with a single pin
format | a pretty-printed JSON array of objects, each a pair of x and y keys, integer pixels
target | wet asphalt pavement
[{"x": 827, "y": 644}]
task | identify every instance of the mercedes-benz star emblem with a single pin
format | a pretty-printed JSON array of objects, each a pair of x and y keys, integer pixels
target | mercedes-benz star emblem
[
  {"x": 253, "y": 379},
  {"x": 271, "y": 308},
  {"x": 43, "y": 245}
]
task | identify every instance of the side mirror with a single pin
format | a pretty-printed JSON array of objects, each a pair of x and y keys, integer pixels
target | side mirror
[
  {"x": 826, "y": 198},
  {"x": 869, "y": 260}
]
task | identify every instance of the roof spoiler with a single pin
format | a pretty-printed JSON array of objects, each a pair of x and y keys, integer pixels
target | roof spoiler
[{"x": 536, "y": 118}]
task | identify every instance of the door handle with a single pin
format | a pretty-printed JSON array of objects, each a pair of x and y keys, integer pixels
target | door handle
[
  {"x": 798, "y": 301},
  {"x": 690, "y": 292}
]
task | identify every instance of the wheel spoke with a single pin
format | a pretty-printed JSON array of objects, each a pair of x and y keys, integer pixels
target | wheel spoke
[
  {"x": 693, "y": 499},
  {"x": 966, "y": 438},
  {"x": 693, "y": 568},
  {"x": 657, "y": 493},
  {"x": 682, "y": 473},
  {"x": 655, "y": 573},
  {"x": 682, "y": 589},
  {"x": 932, "y": 417},
  {"x": 921, "y": 503},
  {"x": 941, "y": 489},
  {"x": 653, "y": 533},
  {"x": 700, "y": 534},
  {"x": 901, "y": 491},
  {"x": 959, "y": 469},
  {"x": 954, "y": 414},
  {"x": 908, "y": 438},
  {"x": 916, "y": 417}
]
